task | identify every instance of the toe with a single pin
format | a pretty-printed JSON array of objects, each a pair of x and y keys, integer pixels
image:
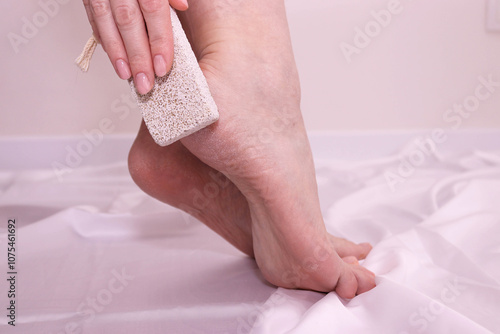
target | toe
[
  {"x": 347, "y": 248},
  {"x": 365, "y": 279},
  {"x": 350, "y": 259},
  {"x": 355, "y": 279},
  {"x": 347, "y": 285}
]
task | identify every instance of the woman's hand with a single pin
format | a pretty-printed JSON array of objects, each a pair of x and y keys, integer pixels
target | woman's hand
[{"x": 136, "y": 35}]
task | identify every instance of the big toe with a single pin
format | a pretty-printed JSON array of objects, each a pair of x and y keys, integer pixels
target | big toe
[{"x": 355, "y": 280}]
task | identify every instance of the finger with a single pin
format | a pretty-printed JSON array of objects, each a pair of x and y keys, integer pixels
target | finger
[
  {"x": 86, "y": 4},
  {"x": 157, "y": 16},
  {"x": 109, "y": 36},
  {"x": 179, "y": 4},
  {"x": 130, "y": 23}
]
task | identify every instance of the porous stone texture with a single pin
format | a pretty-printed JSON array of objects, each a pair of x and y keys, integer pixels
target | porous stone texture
[{"x": 180, "y": 103}]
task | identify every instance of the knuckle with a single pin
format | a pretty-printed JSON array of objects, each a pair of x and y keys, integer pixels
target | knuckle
[
  {"x": 151, "y": 6},
  {"x": 160, "y": 42},
  {"x": 99, "y": 7},
  {"x": 111, "y": 47},
  {"x": 137, "y": 60},
  {"x": 126, "y": 15}
]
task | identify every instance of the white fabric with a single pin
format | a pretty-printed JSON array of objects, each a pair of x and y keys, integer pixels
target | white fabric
[{"x": 436, "y": 254}]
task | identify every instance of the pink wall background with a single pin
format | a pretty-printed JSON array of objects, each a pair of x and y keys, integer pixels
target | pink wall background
[{"x": 426, "y": 59}]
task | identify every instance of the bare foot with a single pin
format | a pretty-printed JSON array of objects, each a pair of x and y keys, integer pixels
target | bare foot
[
  {"x": 175, "y": 176},
  {"x": 260, "y": 144}
]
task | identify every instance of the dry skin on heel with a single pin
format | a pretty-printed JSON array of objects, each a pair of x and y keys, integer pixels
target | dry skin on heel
[{"x": 180, "y": 102}]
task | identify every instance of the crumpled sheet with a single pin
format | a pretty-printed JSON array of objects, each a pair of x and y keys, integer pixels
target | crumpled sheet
[{"x": 96, "y": 255}]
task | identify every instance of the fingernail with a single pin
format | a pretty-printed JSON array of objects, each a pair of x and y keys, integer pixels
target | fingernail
[
  {"x": 122, "y": 69},
  {"x": 142, "y": 83},
  {"x": 160, "y": 65},
  {"x": 185, "y": 3}
]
